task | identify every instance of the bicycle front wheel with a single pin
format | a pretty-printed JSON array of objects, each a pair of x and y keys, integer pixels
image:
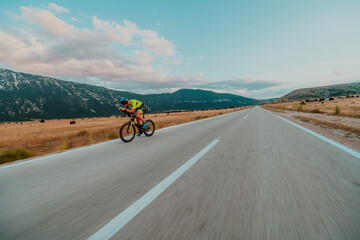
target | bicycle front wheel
[
  {"x": 127, "y": 132},
  {"x": 150, "y": 128}
]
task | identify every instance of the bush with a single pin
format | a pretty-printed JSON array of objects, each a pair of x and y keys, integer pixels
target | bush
[
  {"x": 316, "y": 110},
  {"x": 72, "y": 122},
  {"x": 13, "y": 155},
  {"x": 299, "y": 108},
  {"x": 331, "y": 99},
  {"x": 112, "y": 136},
  {"x": 337, "y": 109},
  {"x": 42, "y": 120},
  {"x": 82, "y": 133}
]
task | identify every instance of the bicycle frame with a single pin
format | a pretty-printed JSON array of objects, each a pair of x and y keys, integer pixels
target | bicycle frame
[{"x": 133, "y": 123}]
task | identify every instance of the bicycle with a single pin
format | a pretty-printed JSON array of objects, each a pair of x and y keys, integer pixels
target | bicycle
[{"x": 128, "y": 130}]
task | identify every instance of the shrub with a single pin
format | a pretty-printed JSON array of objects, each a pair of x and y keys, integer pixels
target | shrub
[
  {"x": 337, "y": 109},
  {"x": 316, "y": 110},
  {"x": 64, "y": 145},
  {"x": 82, "y": 133},
  {"x": 13, "y": 155},
  {"x": 72, "y": 122},
  {"x": 112, "y": 136},
  {"x": 331, "y": 99},
  {"x": 42, "y": 120},
  {"x": 299, "y": 108}
]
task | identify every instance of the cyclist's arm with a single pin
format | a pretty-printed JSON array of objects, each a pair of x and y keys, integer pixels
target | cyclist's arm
[{"x": 127, "y": 110}]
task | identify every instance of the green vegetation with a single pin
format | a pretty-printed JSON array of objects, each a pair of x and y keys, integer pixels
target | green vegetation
[
  {"x": 337, "y": 109},
  {"x": 298, "y": 108},
  {"x": 64, "y": 145},
  {"x": 13, "y": 155},
  {"x": 111, "y": 136},
  {"x": 316, "y": 110},
  {"x": 200, "y": 117}
]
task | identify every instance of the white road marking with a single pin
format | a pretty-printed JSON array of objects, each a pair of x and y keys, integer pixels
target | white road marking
[
  {"x": 332, "y": 142},
  {"x": 112, "y": 227},
  {"x": 245, "y": 117},
  {"x": 115, "y": 140}
]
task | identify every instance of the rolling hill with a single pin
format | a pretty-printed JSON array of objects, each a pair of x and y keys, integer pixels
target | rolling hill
[
  {"x": 321, "y": 92},
  {"x": 26, "y": 96}
]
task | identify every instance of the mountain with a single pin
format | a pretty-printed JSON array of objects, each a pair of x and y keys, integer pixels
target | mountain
[
  {"x": 322, "y": 92},
  {"x": 27, "y": 96}
]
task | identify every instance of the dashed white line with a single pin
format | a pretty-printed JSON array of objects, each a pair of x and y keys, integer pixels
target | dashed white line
[{"x": 112, "y": 227}]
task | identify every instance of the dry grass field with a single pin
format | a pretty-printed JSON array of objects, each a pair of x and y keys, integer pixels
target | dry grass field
[
  {"x": 338, "y": 119},
  {"x": 342, "y": 106},
  {"x": 21, "y": 140}
]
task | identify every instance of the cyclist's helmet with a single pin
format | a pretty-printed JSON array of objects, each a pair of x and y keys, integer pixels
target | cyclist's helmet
[{"x": 124, "y": 101}]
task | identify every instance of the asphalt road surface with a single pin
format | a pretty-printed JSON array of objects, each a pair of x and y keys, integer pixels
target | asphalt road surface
[{"x": 244, "y": 175}]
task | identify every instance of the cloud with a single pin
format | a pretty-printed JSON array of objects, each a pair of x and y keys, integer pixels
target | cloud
[
  {"x": 47, "y": 44},
  {"x": 53, "y": 6},
  {"x": 172, "y": 60},
  {"x": 222, "y": 59},
  {"x": 248, "y": 83},
  {"x": 160, "y": 45},
  {"x": 48, "y": 23}
]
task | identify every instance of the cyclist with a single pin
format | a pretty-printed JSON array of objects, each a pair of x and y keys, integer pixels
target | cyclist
[{"x": 134, "y": 106}]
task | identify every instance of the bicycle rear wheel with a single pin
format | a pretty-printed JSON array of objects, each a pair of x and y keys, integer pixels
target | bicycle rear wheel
[
  {"x": 150, "y": 128},
  {"x": 127, "y": 132}
]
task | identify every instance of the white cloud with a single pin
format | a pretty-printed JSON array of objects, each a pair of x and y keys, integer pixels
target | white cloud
[
  {"x": 47, "y": 44},
  {"x": 159, "y": 45},
  {"x": 57, "y": 8},
  {"x": 222, "y": 59},
  {"x": 172, "y": 60},
  {"x": 48, "y": 22}
]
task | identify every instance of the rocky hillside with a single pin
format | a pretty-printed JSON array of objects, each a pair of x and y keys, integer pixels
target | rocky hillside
[
  {"x": 322, "y": 92},
  {"x": 26, "y": 97}
]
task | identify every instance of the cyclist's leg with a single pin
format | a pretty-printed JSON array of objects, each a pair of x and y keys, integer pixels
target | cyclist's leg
[{"x": 139, "y": 117}]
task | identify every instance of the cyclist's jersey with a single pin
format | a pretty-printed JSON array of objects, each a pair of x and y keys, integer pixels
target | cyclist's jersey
[{"x": 134, "y": 104}]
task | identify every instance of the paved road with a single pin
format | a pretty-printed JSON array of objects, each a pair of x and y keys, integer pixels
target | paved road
[{"x": 262, "y": 179}]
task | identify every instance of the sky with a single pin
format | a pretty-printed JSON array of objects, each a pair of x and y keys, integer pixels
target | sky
[{"x": 257, "y": 49}]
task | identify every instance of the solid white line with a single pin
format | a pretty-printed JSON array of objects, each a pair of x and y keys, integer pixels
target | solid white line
[
  {"x": 106, "y": 142},
  {"x": 56, "y": 154},
  {"x": 332, "y": 142},
  {"x": 245, "y": 117},
  {"x": 112, "y": 227}
]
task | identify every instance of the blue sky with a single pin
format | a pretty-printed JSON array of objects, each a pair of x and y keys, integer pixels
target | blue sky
[{"x": 258, "y": 49}]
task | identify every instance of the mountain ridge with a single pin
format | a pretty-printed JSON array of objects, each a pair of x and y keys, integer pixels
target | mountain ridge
[
  {"x": 328, "y": 91},
  {"x": 26, "y": 96}
]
